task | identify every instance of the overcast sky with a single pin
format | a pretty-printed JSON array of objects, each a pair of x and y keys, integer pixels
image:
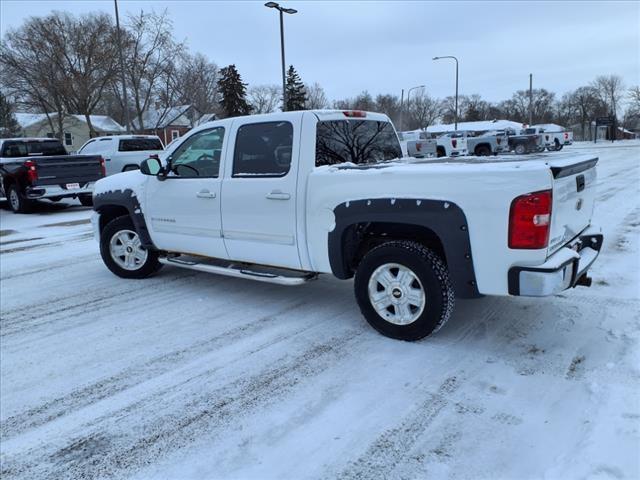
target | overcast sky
[{"x": 385, "y": 46}]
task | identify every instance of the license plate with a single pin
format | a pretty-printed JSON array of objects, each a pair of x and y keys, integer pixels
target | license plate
[{"x": 73, "y": 186}]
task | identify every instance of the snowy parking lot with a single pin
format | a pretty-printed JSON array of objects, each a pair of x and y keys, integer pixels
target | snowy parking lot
[{"x": 189, "y": 375}]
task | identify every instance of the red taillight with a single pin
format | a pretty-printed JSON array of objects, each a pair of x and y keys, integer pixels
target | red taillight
[
  {"x": 102, "y": 167},
  {"x": 530, "y": 220},
  {"x": 32, "y": 171},
  {"x": 418, "y": 146},
  {"x": 454, "y": 142},
  {"x": 354, "y": 113},
  {"x": 566, "y": 135},
  {"x": 498, "y": 140}
]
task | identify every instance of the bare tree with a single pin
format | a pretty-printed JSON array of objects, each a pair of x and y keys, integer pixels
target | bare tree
[
  {"x": 474, "y": 108},
  {"x": 423, "y": 110},
  {"x": 87, "y": 62},
  {"x": 150, "y": 51},
  {"x": 316, "y": 98},
  {"x": 265, "y": 98},
  {"x": 389, "y": 105},
  {"x": 30, "y": 71},
  {"x": 197, "y": 80},
  {"x": 611, "y": 91},
  {"x": 582, "y": 106}
]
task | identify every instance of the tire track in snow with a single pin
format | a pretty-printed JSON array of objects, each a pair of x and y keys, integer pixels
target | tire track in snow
[
  {"x": 69, "y": 307},
  {"x": 137, "y": 374},
  {"x": 126, "y": 441},
  {"x": 394, "y": 445}
]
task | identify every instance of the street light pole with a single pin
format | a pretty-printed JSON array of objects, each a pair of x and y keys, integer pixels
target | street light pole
[
  {"x": 281, "y": 11},
  {"x": 456, "y": 112},
  {"x": 124, "y": 84},
  {"x": 409, "y": 93}
]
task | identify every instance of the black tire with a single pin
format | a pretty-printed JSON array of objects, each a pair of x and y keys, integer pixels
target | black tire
[
  {"x": 433, "y": 277},
  {"x": 482, "y": 151},
  {"x": 560, "y": 146},
  {"x": 86, "y": 200},
  {"x": 17, "y": 202},
  {"x": 150, "y": 266},
  {"x": 440, "y": 152},
  {"x": 520, "y": 149}
]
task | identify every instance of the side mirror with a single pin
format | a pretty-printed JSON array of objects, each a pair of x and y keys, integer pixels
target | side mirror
[{"x": 151, "y": 166}]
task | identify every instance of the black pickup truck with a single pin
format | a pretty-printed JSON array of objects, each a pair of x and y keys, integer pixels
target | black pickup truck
[
  {"x": 40, "y": 168},
  {"x": 524, "y": 142}
]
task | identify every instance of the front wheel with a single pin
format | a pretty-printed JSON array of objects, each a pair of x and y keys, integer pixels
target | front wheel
[
  {"x": 403, "y": 290},
  {"x": 123, "y": 253},
  {"x": 520, "y": 149}
]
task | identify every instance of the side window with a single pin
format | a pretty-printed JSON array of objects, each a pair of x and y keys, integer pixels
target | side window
[
  {"x": 263, "y": 150},
  {"x": 199, "y": 155},
  {"x": 88, "y": 147}
]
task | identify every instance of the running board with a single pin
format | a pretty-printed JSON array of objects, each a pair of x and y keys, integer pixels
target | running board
[{"x": 243, "y": 271}]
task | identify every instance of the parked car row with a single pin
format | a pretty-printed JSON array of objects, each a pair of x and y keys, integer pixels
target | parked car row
[
  {"x": 458, "y": 143},
  {"x": 41, "y": 168}
]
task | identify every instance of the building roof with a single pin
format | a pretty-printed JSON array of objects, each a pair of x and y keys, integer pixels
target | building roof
[
  {"x": 550, "y": 127},
  {"x": 163, "y": 117},
  {"x": 207, "y": 117},
  {"x": 101, "y": 123}
]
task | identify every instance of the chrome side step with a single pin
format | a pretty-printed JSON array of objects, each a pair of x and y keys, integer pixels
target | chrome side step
[{"x": 260, "y": 274}]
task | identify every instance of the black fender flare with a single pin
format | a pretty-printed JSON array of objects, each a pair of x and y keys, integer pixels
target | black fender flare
[
  {"x": 444, "y": 218},
  {"x": 125, "y": 198}
]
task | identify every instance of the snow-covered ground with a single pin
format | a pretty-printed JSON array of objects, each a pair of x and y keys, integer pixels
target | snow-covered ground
[{"x": 189, "y": 375}]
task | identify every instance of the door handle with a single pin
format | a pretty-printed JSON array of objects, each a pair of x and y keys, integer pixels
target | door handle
[
  {"x": 205, "y": 194},
  {"x": 278, "y": 195}
]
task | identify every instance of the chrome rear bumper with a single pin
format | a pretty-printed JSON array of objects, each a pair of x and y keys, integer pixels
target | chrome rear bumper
[{"x": 562, "y": 270}]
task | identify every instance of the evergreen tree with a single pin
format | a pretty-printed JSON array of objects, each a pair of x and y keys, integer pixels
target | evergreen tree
[
  {"x": 9, "y": 126},
  {"x": 296, "y": 93},
  {"x": 233, "y": 93}
]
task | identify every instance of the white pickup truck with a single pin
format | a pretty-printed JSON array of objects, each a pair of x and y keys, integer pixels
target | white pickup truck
[
  {"x": 123, "y": 152},
  {"x": 554, "y": 137},
  {"x": 284, "y": 197}
]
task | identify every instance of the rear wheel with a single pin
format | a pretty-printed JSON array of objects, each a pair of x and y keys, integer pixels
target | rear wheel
[
  {"x": 483, "y": 151},
  {"x": 17, "y": 202},
  {"x": 403, "y": 290},
  {"x": 520, "y": 149},
  {"x": 123, "y": 253}
]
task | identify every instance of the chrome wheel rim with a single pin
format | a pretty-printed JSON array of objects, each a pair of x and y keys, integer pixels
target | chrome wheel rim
[
  {"x": 13, "y": 198},
  {"x": 396, "y": 294},
  {"x": 126, "y": 250}
]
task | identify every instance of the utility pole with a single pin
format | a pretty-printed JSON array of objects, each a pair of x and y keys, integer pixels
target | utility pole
[
  {"x": 401, "y": 110},
  {"x": 124, "y": 85},
  {"x": 530, "y": 99}
]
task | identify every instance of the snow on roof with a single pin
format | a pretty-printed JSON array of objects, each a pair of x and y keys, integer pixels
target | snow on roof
[
  {"x": 103, "y": 123},
  {"x": 27, "y": 119},
  {"x": 163, "y": 117},
  {"x": 207, "y": 117},
  {"x": 480, "y": 126}
]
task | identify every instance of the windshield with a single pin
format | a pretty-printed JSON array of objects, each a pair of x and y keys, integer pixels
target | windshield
[
  {"x": 14, "y": 149},
  {"x": 139, "y": 144},
  {"x": 355, "y": 141}
]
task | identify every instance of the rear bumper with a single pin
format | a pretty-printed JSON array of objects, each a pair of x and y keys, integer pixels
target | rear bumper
[
  {"x": 561, "y": 271},
  {"x": 56, "y": 191}
]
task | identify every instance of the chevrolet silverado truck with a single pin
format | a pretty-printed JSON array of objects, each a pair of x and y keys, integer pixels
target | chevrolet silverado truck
[
  {"x": 284, "y": 197},
  {"x": 40, "y": 168}
]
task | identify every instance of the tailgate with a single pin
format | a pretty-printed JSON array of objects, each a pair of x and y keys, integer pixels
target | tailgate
[
  {"x": 574, "y": 190},
  {"x": 65, "y": 169}
]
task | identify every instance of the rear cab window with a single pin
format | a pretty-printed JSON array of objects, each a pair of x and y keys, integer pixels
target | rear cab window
[
  {"x": 15, "y": 149},
  {"x": 355, "y": 141},
  {"x": 139, "y": 144}
]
